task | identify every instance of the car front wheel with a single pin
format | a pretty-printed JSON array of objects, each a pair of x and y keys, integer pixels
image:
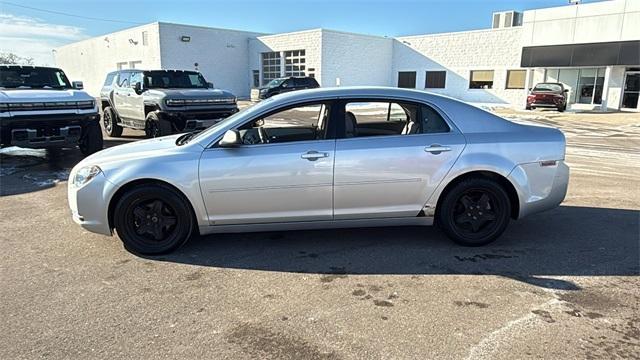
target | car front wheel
[
  {"x": 474, "y": 212},
  {"x": 153, "y": 219},
  {"x": 155, "y": 126},
  {"x": 91, "y": 140}
]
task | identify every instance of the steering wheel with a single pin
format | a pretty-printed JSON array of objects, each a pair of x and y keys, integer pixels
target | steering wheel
[{"x": 250, "y": 138}]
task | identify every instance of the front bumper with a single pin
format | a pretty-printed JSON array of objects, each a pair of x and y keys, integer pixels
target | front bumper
[
  {"x": 88, "y": 205},
  {"x": 540, "y": 187},
  {"x": 43, "y": 131},
  {"x": 187, "y": 119}
]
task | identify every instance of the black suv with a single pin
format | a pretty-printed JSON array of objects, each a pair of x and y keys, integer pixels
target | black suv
[
  {"x": 285, "y": 84},
  {"x": 162, "y": 102}
]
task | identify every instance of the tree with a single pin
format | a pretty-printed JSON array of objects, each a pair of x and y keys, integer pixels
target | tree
[{"x": 11, "y": 58}]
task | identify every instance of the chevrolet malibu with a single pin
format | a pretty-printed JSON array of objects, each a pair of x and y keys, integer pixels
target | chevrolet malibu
[{"x": 325, "y": 158}]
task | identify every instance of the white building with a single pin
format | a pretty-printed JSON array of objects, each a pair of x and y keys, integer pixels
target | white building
[{"x": 593, "y": 48}]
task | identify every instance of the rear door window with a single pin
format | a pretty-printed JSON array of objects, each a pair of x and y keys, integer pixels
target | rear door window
[{"x": 380, "y": 118}]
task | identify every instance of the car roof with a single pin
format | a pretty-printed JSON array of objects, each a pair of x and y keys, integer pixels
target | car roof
[{"x": 29, "y": 66}]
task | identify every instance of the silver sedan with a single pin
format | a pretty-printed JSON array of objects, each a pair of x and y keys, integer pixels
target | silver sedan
[{"x": 325, "y": 158}]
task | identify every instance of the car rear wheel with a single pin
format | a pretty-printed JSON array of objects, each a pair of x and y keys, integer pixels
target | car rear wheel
[
  {"x": 474, "y": 212},
  {"x": 153, "y": 219},
  {"x": 91, "y": 140},
  {"x": 562, "y": 108},
  {"x": 110, "y": 122},
  {"x": 155, "y": 126}
]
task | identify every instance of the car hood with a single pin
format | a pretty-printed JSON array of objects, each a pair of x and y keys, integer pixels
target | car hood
[
  {"x": 191, "y": 93},
  {"x": 131, "y": 151},
  {"x": 28, "y": 95}
]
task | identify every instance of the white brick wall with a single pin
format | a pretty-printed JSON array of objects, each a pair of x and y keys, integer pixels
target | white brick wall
[
  {"x": 222, "y": 55},
  {"x": 459, "y": 53},
  {"x": 90, "y": 60},
  {"x": 355, "y": 59}
]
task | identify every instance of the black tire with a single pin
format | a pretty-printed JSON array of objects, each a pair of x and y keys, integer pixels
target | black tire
[
  {"x": 91, "y": 140},
  {"x": 110, "y": 122},
  {"x": 528, "y": 107},
  {"x": 153, "y": 220},
  {"x": 474, "y": 212},
  {"x": 155, "y": 126},
  {"x": 562, "y": 108}
]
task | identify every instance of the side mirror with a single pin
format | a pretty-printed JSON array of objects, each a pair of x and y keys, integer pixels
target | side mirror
[
  {"x": 566, "y": 90},
  {"x": 78, "y": 85},
  {"x": 210, "y": 85},
  {"x": 137, "y": 87},
  {"x": 230, "y": 139}
]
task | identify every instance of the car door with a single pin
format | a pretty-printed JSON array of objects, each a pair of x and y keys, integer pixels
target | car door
[
  {"x": 120, "y": 94},
  {"x": 282, "y": 172},
  {"x": 381, "y": 171},
  {"x": 135, "y": 100}
]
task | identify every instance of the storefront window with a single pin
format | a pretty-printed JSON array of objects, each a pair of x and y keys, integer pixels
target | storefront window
[{"x": 584, "y": 85}]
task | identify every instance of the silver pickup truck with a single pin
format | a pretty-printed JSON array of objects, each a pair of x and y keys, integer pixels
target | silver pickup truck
[
  {"x": 40, "y": 108},
  {"x": 162, "y": 102}
]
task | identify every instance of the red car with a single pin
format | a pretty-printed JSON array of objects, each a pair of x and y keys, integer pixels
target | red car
[{"x": 548, "y": 95}]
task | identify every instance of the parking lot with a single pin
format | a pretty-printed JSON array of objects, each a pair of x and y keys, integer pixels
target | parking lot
[{"x": 560, "y": 284}]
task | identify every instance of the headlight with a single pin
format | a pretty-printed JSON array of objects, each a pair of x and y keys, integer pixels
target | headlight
[
  {"x": 174, "y": 102},
  {"x": 85, "y": 174},
  {"x": 4, "y": 107},
  {"x": 90, "y": 104}
]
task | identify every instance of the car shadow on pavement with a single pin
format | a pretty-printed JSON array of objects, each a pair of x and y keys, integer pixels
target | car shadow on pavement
[{"x": 539, "y": 250}]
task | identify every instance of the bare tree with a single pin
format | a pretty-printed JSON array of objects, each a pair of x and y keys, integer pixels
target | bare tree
[{"x": 11, "y": 58}]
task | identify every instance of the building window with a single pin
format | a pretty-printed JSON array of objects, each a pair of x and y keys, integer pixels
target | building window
[
  {"x": 407, "y": 79},
  {"x": 294, "y": 63},
  {"x": 481, "y": 79},
  {"x": 270, "y": 66},
  {"x": 435, "y": 79},
  {"x": 516, "y": 78},
  {"x": 256, "y": 78},
  {"x": 311, "y": 72},
  {"x": 145, "y": 38}
]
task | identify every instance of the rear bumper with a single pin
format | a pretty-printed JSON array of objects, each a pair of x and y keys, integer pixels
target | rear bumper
[{"x": 540, "y": 187}]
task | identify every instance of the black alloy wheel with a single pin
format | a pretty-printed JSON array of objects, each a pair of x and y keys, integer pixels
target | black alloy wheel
[
  {"x": 153, "y": 219},
  {"x": 110, "y": 123},
  {"x": 475, "y": 212}
]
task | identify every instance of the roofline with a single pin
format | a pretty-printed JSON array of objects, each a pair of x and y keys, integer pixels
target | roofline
[
  {"x": 459, "y": 32},
  {"x": 210, "y": 28},
  {"x": 108, "y": 34}
]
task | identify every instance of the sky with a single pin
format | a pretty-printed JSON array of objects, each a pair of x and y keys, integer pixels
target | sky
[{"x": 28, "y": 31}]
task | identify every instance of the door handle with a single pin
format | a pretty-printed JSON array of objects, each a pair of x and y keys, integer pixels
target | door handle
[
  {"x": 436, "y": 149},
  {"x": 314, "y": 155}
]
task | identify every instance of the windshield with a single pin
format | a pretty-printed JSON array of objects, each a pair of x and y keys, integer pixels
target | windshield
[
  {"x": 246, "y": 111},
  {"x": 548, "y": 87},
  {"x": 275, "y": 82},
  {"x": 15, "y": 77},
  {"x": 174, "y": 79}
]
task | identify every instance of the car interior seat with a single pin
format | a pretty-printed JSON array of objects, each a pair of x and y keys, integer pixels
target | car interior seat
[{"x": 350, "y": 125}]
